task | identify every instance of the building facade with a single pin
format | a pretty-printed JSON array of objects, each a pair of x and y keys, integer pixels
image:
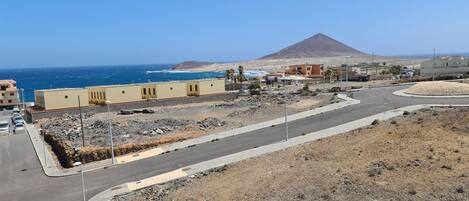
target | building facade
[
  {"x": 162, "y": 90},
  {"x": 307, "y": 70},
  {"x": 114, "y": 94},
  {"x": 9, "y": 95},
  {"x": 99, "y": 95},
  {"x": 445, "y": 66},
  {"x": 50, "y": 99},
  {"x": 205, "y": 87}
]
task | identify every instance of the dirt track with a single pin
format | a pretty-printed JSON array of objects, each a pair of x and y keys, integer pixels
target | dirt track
[{"x": 420, "y": 156}]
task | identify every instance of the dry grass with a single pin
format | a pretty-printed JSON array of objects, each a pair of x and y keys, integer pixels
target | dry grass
[{"x": 439, "y": 88}]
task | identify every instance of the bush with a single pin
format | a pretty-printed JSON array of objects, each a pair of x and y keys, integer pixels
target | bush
[
  {"x": 254, "y": 89},
  {"x": 406, "y": 113},
  {"x": 334, "y": 89},
  {"x": 375, "y": 122},
  {"x": 306, "y": 87}
]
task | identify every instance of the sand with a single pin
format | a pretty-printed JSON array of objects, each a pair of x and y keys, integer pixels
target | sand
[{"x": 439, "y": 88}]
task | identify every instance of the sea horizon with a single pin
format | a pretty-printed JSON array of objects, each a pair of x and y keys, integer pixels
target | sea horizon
[{"x": 37, "y": 78}]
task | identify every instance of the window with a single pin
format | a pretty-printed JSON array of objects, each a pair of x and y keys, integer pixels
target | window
[
  {"x": 3, "y": 94},
  {"x": 123, "y": 92},
  {"x": 9, "y": 101},
  {"x": 12, "y": 94},
  {"x": 1, "y": 101},
  {"x": 144, "y": 91},
  {"x": 190, "y": 87},
  {"x": 211, "y": 85},
  {"x": 154, "y": 91},
  {"x": 149, "y": 92},
  {"x": 66, "y": 96},
  {"x": 196, "y": 87}
]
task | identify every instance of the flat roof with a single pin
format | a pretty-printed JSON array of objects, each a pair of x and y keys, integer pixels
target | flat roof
[
  {"x": 111, "y": 86},
  {"x": 59, "y": 89}
]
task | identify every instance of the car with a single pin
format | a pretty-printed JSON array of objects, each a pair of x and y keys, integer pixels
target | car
[
  {"x": 126, "y": 112},
  {"x": 19, "y": 128},
  {"x": 15, "y": 115},
  {"x": 16, "y": 110},
  {"x": 148, "y": 111},
  {"x": 18, "y": 119},
  {"x": 4, "y": 127}
]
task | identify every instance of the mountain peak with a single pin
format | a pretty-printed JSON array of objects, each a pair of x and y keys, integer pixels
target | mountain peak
[{"x": 319, "y": 45}]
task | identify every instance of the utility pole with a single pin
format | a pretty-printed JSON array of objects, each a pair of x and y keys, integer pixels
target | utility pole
[
  {"x": 81, "y": 122},
  {"x": 286, "y": 113},
  {"x": 110, "y": 131},
  {"x": 82, "y": 179}
]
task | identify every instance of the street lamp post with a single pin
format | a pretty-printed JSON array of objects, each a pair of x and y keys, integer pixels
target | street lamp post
[
  {"x": 108, "y": 103},
  {"x": 346, "y": 77},
  {"x": 82, "y": 179},
  {"x": 286, "y": 112}
]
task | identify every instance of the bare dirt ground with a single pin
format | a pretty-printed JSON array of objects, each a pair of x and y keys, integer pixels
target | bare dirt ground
[
  {"x": 419, "y": 156},
  {"x": 168, "y": 124}
]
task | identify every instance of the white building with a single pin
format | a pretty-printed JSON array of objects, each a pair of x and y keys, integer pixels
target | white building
[{"x": 445, "y": 65}]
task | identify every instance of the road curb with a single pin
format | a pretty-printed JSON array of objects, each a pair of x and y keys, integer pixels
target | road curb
[{"x": 404, "y": 94}]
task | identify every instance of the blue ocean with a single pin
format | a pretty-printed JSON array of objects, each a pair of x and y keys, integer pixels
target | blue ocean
[{"x": 31, "y": 79}]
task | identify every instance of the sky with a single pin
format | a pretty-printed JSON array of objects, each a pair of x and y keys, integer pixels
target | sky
[{"x": 113, "y": 32}]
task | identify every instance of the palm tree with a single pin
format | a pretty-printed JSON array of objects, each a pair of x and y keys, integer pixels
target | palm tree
[
  {"x": 241, "y": 76},
  {"x": 230, "y": 75}
]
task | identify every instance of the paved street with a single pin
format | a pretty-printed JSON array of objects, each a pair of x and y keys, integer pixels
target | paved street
[{"x": 16, "y": 152}]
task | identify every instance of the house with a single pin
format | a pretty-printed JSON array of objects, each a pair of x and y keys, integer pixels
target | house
[
  {"x": 8, "y": 93},
  {"x": 445, "y": 66},
  {"x": 205, "y": 87},
  {"x": 50, "y": 99},
  {"x": 163, "y": 90},
  {"x": 307, "y": 70},
  {"x": 114, "y": 93}
]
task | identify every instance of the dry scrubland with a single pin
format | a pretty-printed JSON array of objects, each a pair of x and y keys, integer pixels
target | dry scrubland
[
  {"x": 276, "y": 64},
  {"x": 439, "y": 88},
  {"x": 419, "y": 156},
  {"x": 168, "y": 124}
]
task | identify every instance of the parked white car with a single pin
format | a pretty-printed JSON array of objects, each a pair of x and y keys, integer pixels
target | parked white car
[
  {"x": 19, "y": 128},
  {"x": 4, "y": 127}
]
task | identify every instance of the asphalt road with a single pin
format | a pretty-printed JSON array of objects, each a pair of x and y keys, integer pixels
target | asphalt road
[{"x": 22, "y": 179}]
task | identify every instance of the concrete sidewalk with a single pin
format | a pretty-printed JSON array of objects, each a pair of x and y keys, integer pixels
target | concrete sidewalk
[
  {"x": 51, "y": 168},
  {"x": 255, "y": 152}
]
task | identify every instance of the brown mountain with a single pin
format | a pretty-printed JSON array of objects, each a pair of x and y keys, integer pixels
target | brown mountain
[
  {"x": 190, "y": 64},
  {"x": 318, "y": 45}
]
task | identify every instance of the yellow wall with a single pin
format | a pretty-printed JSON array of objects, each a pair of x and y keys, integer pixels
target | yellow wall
[
  {"x": 170, "y": 90},
  {"x": 124, "y": 93},
  {"x": 192, "y": 88},
  {"x": 205, "y": 87},
  {"x": 96, "y": 95},
  {"x": 148, "y": 90},
  {"x": 61, "y": 98},
  {"x": 215, "y": 86}
]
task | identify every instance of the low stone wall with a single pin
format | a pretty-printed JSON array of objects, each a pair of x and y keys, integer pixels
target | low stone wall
[{"x": 32, "y": 114}]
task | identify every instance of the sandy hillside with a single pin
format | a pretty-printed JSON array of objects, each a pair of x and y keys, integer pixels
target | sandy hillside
[
  {"x": 420, "y": 156},
  {"x": 276, "y": 64}
]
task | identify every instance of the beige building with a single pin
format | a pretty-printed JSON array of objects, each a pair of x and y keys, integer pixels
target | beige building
[
  {"x": 445, "y": 66},
  {"x": 205, "y": 87},
  {"x": 8, "y": 93},
  {"x": 162, "y": 90},
  {"x": 50, "y": 99},
  {"x": 114, "y": 94}
]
